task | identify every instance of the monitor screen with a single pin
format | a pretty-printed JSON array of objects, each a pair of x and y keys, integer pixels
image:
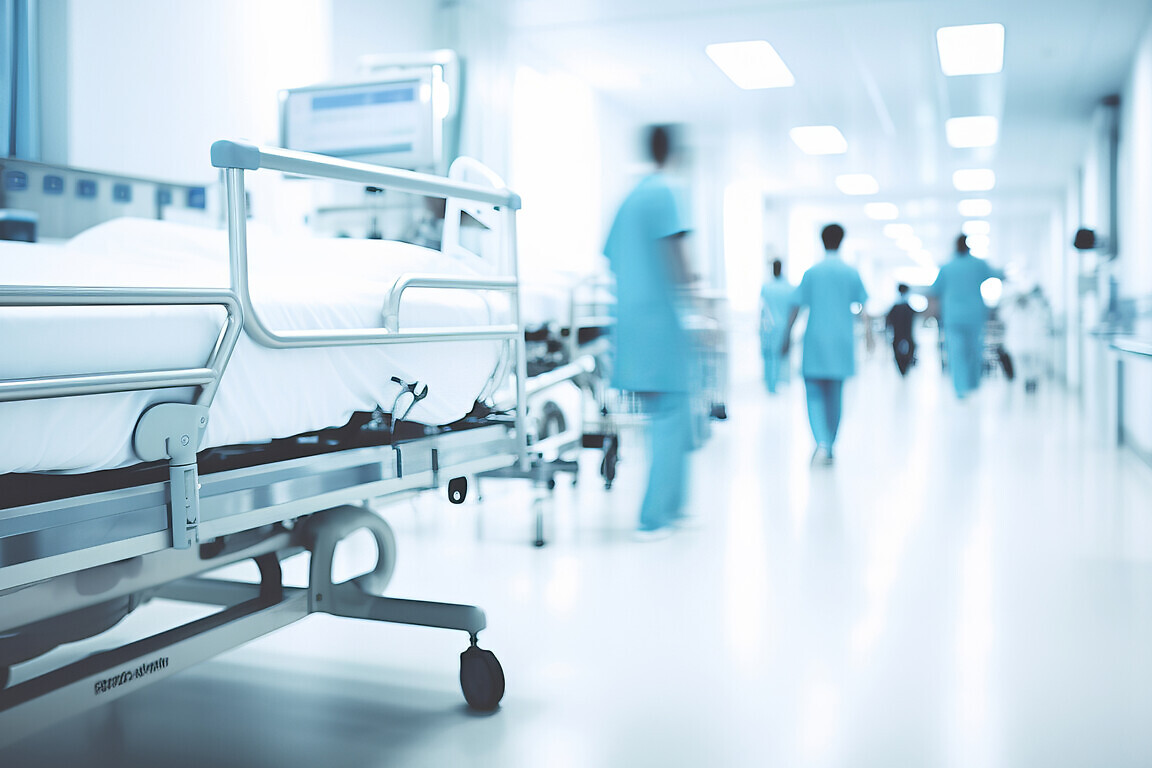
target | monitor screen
[{"x": 389, "y": 122}]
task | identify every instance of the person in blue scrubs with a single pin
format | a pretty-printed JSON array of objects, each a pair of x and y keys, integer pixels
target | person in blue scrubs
[
  {"x": 653, "y": 355},
  {"x": 829, "y": 289},
  {"x": 775, "y": 305},
  {"x": 963, "y": 315}
]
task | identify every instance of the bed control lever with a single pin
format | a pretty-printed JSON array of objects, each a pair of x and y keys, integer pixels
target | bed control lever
[{"x": 172, "y": 431}]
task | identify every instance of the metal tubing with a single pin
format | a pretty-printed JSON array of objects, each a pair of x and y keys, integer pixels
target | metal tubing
[
  {"x": 521, "y": 349},
  {"x": 415, "y": 280},
  {"x": 265, "y": 336},
  {"x": 308, "y": 164},
  {"x": 208, "y": 377},
  {"x": 102, "y": 383}
]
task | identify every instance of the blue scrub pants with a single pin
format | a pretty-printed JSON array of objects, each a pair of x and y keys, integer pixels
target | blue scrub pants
[
  {"x": 775, "y": 364},
  {"x": 965, "y": 345},
  {"x": 824, "y": 399},
  {"x": 669, "y": 440}
]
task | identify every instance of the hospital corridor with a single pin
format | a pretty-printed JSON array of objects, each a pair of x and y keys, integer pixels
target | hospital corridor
[
  {"x": 583, "y": 384},
  {"x": 966, "y": 586}
]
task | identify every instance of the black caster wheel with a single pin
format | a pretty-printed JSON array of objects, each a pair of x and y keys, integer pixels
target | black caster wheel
[{"x": 481, "y": 679}]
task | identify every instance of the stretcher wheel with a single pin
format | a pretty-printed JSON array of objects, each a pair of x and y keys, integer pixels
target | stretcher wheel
[{"x": 481, "y": 679}]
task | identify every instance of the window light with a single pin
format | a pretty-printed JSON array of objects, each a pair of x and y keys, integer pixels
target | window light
[
  {"x": 819, "y": 139},
  {"x": 974, "y": 180},
  {"x": 857, "y": 184},
  {"x": 881, "y": 211},
  {"x": 975, "y": 49},
  {"x": 976, "y": 227},
  {"x": 976, "y": 131},
  {"x": 751, "y": 65},
  {"x": 975, "y": 208}
]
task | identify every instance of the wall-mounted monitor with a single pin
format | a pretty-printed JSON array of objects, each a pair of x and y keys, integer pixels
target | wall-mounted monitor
[{"x": 388, "y": 122}]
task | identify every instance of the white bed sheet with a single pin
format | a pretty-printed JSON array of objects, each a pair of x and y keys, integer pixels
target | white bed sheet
[{"x": 296, "y": 283}]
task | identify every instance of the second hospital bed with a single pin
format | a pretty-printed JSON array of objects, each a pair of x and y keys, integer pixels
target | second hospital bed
[{"x": 210, "y": 401}]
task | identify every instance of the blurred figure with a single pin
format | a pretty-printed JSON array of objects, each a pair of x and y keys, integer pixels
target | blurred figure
[
  {"x": 962, "y": 314},
  {"x": 828, "y": 289},
  {"x": 653, "y": 356},
  {"x": 899, "y": 323},
  {"x": 1025, "y": 333},
  {"x": 775, "y": 303}
]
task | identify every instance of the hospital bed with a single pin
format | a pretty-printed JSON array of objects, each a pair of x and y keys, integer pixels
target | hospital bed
[{"x": 128, "y": 482}]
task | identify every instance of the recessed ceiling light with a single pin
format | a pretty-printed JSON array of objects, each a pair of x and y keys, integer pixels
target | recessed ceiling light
[
  {"x": 974, "y": 180},
  {"x": 976, "y": 227},
  {"x": 975, "y": 49},
  {"x": 857, "y": 184},
  {"x": 819, "y": 139},
  {"x": 897, "y": 231},
  {"x": 975, "y": 208},
  {"x": 977, "y": 131},
  {"x": 751, "y": 65},
  {"x": 881, "y": 211}
]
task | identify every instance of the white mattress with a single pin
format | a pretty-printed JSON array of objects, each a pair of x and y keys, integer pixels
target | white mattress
[{"x": 296, "y": 283}]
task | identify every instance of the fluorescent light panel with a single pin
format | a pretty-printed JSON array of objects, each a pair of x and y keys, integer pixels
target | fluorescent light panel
[
  {"x": 751, "y": 65},
  {"x": 978, "y": 242},
  {"x": 974, "y": 180},
  {"x": 897, "y": 231},
  {"x": 975, "y": 49},
  {"x": 976, "y": 227},
  {"x": 975, "y": 208},
  {"x": 881, "y": 211},
  {"x": 909, "y": 243},
  {"x": 819, "y": 139},
  {"x": 857, "y": 184},
  {"x": 976, "y": 131}
]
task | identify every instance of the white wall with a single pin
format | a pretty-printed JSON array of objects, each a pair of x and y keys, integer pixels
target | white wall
[
  {"x": 1134, "y": 265},
  {"x": 152, "y": 83}
]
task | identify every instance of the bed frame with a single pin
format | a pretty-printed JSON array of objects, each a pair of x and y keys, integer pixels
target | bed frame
[{"x": 74, "y": 562}]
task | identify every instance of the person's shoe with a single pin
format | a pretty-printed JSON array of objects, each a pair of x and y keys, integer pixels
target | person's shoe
[
  {"x": 645, "y": 535},
  {"x": 822, "y": 455}
]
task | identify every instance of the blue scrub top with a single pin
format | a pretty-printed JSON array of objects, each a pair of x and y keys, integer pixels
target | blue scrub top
[
  {"x": 958, "y": 287},
  {"x": 652, "y": 353},
  {"x": 776, "y": 299},
  {"x": 829, "y": 289}
]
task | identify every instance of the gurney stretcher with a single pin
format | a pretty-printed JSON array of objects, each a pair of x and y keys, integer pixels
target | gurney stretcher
[{"x": 77, "y": 553}]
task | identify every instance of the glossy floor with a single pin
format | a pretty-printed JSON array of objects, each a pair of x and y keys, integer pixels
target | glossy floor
[{"x": 969, "y": 585}]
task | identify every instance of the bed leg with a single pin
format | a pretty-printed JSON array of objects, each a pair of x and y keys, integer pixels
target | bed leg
[{"x": 481, "y": 677}]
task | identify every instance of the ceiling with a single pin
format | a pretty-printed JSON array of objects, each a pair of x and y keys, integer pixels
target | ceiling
[{"x": 869, "y": 67}]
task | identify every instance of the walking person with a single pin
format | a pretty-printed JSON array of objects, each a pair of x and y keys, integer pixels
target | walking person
[
  {"x": 829, "y": 290},
  {"x": 899, "y": 323},
  {"x": 775, "y": 304},
  {"x": 963, "y": 315},
  {"x": 653, "y": 353}
]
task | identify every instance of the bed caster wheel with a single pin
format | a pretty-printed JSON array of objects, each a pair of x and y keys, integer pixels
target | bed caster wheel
[
  {"x": 481, "y": 679},
  {"x": 457, "y": 490}
]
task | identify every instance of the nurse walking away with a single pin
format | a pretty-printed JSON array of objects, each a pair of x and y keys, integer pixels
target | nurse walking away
[
  {"x": 653, "y": 358},
  {"x": 963, "y": 315},
  {"x": 775, "y": 303},
  {"x": 828, "y": 289}
]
